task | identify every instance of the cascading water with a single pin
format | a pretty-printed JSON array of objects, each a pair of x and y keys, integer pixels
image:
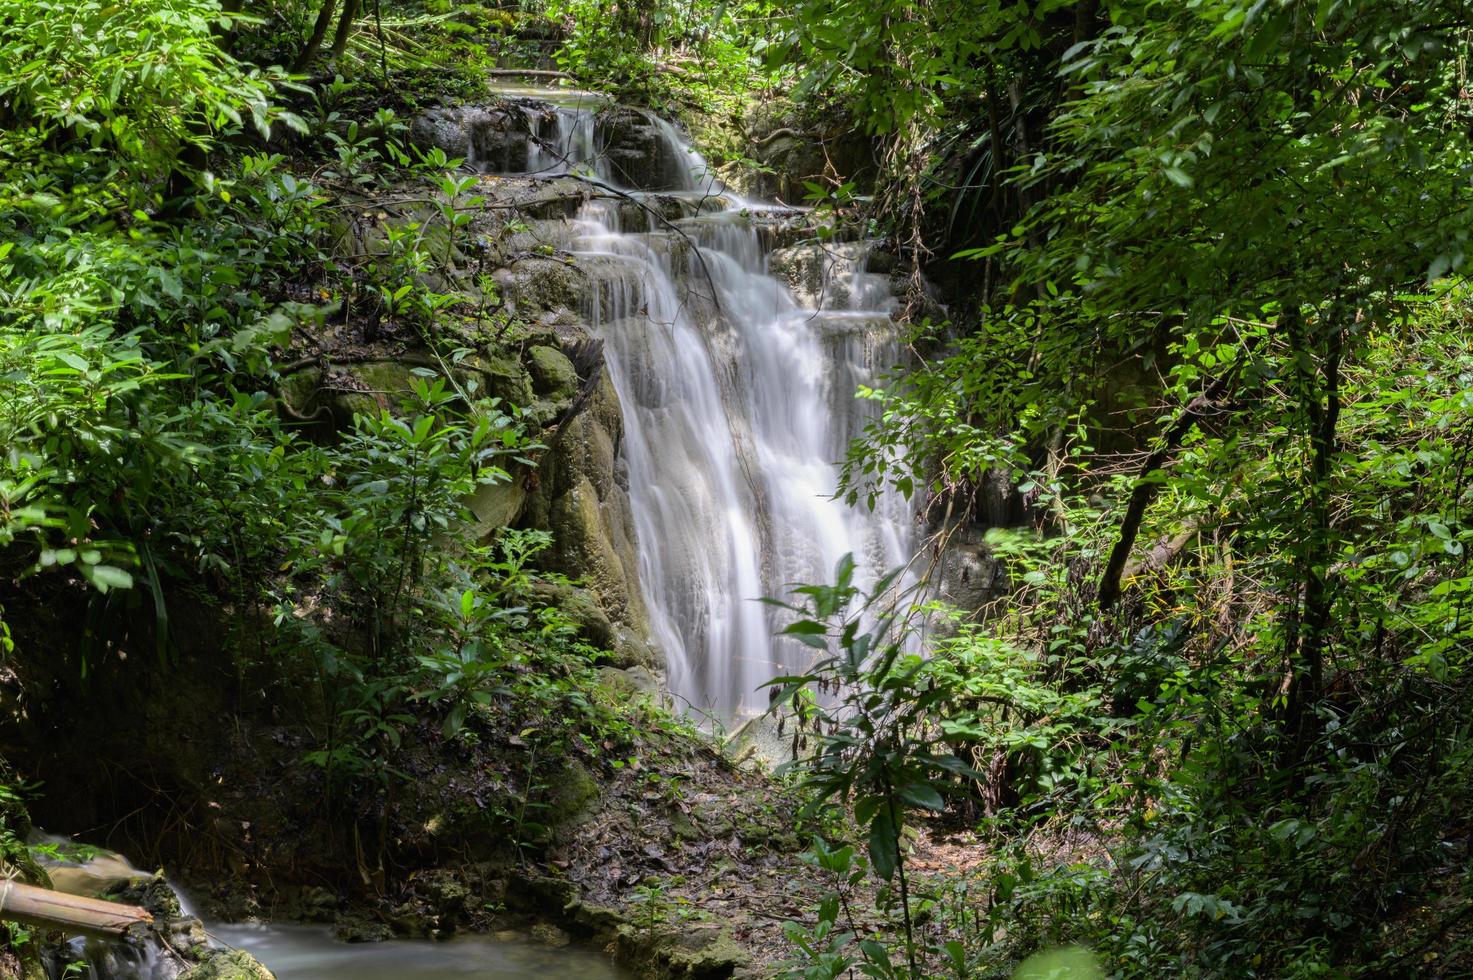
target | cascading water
[{"x": 738, "y": 393}]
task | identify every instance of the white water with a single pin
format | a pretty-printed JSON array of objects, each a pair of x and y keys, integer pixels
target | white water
[
  {"x": 292, "y": 952},
  {"x": 738, "y": 402},
  {"x": 310, "y": 953}
]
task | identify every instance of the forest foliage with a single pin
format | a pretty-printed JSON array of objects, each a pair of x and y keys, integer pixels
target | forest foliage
[
  {"x": 1213, "y": 346},
  {"x": 171, "y": 212}
]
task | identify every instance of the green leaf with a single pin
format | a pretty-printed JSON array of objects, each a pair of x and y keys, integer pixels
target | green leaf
[
  {"x": 105, "y": 577},
  {"x": 884, "y": 843},
  {"x": 923, "y": 795},
  {"x": 1179, "y": 177}
]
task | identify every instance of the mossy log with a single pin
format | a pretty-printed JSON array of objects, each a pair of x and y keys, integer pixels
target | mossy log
[{"x": 71, "y": 914}]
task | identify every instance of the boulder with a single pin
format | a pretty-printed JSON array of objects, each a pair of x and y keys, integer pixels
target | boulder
[
  {"x": 234, "y": 964},
  {"x": 490, "y": 138},
  {"x": 494, "y": 506},
  {"x": 552, "y": 372},
  {"x": 639, "y": 152},
  {"x": 633, "y": 682}
]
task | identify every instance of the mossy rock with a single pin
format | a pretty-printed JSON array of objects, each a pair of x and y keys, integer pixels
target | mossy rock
[
  {"x": 446, "y": 891},
  {"x": 582, "y": 610},
  {"x": 503, "y": 377},
  {"x": 632, "y": 682},
  {"x": 154, "y": 894},
  {"x": 711, "y": 959},
  {"x": 550, "y": 935},
  {"x": 374, "y": 386},
  {"x": 594, "y": 919},
  {"x": 577, "y": 529},
  {"x": 542, "y": 283},
  {"x": 552, "y": 373},
  {"x": 697, "y": 953},
  {"x": 495, "y": 506},
  {"x": 234, "y": 964},
  {"x": 572, "y": 791},
  {"x": 387, "y": 381},
  {"x": 356, "y": 928},
  {"x": 299, "y": 389}
]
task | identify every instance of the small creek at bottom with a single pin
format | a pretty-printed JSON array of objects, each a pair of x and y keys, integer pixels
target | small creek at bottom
[
  {"x": 303, "y": 952},
  {"x": 311, "y": 953}
]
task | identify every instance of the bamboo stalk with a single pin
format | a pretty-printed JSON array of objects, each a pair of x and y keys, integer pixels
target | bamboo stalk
[{"x": 72, "y": 914}]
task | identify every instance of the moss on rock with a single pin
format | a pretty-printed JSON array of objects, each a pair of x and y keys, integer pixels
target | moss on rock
[
  {"x": 572, "y": 792},
  {"x": 699, "y": 952},
  {"x": 552, "y": 372},
  {"x": 234, "y": 964}
]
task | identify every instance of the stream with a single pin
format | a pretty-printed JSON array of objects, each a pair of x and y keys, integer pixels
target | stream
[
  {"x": 307, "y": 952},
  {"x": 311, "y": 953}
]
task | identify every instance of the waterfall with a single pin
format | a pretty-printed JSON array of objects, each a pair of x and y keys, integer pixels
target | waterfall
[{"x": 738, "y": 391}]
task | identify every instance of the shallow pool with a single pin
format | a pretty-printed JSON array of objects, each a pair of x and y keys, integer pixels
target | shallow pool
[{"x": 311, "y": 953}]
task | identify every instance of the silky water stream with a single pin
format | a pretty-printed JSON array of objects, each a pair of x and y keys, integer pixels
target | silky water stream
[
  {"x": 303, "y": 952},
  {"x": 311, "y": 953},
  {"x": 737, "y": 363}
]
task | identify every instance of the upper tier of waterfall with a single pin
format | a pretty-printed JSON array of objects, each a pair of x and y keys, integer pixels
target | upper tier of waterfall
[{"x": 737, "y": 366}]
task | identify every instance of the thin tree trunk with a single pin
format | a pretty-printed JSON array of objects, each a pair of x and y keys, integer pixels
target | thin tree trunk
[
  {"x": 345, "y": 28},
  {"x": 1306, "y": 636},
  {"x": 319, "y": 34},
  {"x": 1146, "y": 488}
]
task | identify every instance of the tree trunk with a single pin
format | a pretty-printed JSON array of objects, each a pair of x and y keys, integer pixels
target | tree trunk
[
  {"x": 345, "y": 28},
  {"x": 319, "y": 34},
  {"x": 1146, "y": 487},
  {"x": 71, "y": 914},
  {"x": 1307, "y": 631}
]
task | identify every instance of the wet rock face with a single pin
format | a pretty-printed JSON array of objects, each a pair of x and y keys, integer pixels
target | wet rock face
[
  {"x": 492, "y": 139},
  {"x": 635, "y": 151},
  {"x": 582, "y": 497},
  {"x": 969, "y": 576},
  {"x": 825, "y": 275}
]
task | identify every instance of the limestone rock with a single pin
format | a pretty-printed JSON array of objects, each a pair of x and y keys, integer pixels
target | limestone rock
[
  {"x": 635, "y": 681},
  {"x": 829, "y": 275},
  {"x": 637, "y": 152},
  {"x": 699, "y": 952},
  {"x": 495, "y": 506},
  {"x": 235, "y": 964},
  {"x": 969, "y": 576},
  {"x": 550, "y": 935},
  {"x": 541, "y": 282},
  {"x": 552, "y": 372},
  {"x": 579, "y": 537},
  {"x": 582, "y": 498},
  {"x": 490, "y": 138}
]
